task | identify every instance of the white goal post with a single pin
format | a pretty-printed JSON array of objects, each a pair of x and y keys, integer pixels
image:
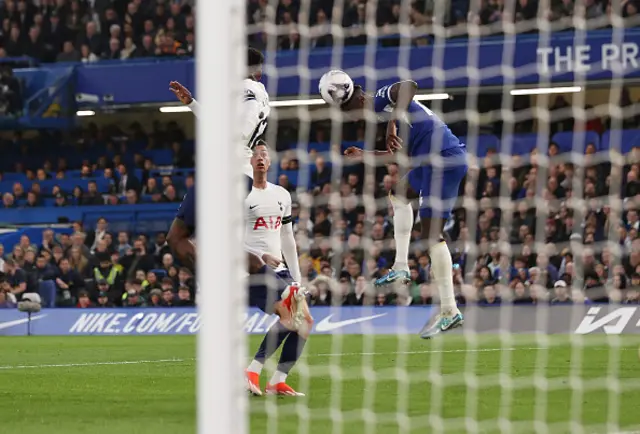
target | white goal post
[{"x": 220, "y": 62}]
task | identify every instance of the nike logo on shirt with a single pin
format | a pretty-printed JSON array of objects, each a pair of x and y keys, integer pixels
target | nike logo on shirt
[{"x": 252, "y": 207}]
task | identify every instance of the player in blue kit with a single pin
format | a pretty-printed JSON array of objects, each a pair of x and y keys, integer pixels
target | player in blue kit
[{"x": 437, "y": 163}]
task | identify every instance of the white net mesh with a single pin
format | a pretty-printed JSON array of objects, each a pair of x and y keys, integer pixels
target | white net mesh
[{"x": 544, "y": 234}]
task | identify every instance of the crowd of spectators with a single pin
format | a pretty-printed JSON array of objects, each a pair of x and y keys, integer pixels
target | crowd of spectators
[
  {"x": 93, "y": 267},
  {"x": 87, "y": 31},
  {"x": 420, "y": 15},
  {"x": 118, "y": 176},
  {"x": 123, "y": 187},
  {"x": 544, "y": 228}
]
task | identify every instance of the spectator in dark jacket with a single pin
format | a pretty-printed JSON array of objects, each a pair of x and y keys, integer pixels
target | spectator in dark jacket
[{"x": 68, "y": 283}]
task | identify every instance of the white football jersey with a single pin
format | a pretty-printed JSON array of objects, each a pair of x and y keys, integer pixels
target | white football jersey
[
  {"x": 255, "y": 119},
  {"x": 266, "y": 211}
]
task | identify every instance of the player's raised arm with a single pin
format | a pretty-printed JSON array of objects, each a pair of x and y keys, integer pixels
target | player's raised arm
[
  {"x": 185, "y": 97},
  {"x": 400, "y": 95},
  {"x": 288, "y": 240}
]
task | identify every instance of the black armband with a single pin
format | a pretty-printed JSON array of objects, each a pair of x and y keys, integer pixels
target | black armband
[{"x": 286, "y": 219}]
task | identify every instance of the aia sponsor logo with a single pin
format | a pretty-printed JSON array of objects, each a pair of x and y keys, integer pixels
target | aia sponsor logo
[{"x": 268, "y": 223}]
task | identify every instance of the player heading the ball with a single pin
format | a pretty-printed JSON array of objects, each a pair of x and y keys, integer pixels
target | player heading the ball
[{"x": 437, "y": 165}]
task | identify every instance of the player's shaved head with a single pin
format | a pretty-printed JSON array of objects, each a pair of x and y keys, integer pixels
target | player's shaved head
[{"x": 357, "y": 100}]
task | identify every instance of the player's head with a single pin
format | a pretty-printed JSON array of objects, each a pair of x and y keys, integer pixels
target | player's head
[
  {"x": 260, "y": 160},
  {"x": 255, "y": 59},
  {"x": 338, "y": 90}
]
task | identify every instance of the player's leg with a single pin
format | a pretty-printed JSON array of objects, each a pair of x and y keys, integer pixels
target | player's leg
[
  {"x": 264, "y": 296},
  {"x": 406, "y": 190},
  {"x": 293, "y": 346},
  {"x": 439, "y": 194},
  {"x": 182, "y": 230},
  {"x": 271, "y": 291}
]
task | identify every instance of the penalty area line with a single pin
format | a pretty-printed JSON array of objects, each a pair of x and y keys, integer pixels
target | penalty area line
[{"x": 80, "y": 365}]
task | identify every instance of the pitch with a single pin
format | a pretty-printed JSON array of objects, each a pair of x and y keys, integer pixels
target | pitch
[{"x": 140, "y": 385}]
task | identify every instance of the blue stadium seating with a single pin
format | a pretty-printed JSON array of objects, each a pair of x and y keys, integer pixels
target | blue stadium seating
[
  {"x": 292, "y": 175},
  {"x": 127, "y": 214},
  {"x": 320, "y": 147},
  {"x": 481, "y": 145},
  {"x": 620, "y": 140},
  {"x": 566, "y": 139},
  {"x": 67, "y": 185},
  {"x": 522, "y": 144}
]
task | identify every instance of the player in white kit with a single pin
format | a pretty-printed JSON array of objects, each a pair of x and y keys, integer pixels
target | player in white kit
[
  {"x": 269, "y": 235},
  {"x": 272, "y": 288},
  {"x": 255, "y": 108}
]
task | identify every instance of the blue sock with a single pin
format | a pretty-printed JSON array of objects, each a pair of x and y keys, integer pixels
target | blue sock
[
  {"x": 271, "y": 342},
  {"x": 291, "y": 352}
]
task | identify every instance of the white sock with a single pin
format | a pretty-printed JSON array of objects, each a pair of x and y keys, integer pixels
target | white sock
[
  {"x": 442, "y": 269},
  {"x": 278, "y": 377},
  {"x": 402, "y": 225},
  {"x": 255, "y": 366}
]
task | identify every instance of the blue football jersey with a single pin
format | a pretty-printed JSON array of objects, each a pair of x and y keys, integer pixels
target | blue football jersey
[{"x": 427, "y": 131}]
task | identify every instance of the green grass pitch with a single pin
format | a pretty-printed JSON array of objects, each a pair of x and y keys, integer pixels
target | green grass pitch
[{"x": 355, "y": 385}]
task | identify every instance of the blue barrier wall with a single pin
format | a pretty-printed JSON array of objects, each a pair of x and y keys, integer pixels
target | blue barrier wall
[
  {"x": 558, "y": 57},
  {"x": 11, "y": 238},
  {"x": 140, "y": 215},
  {"x": 384, "y": 320},
  {"x": 370, "y": 320}
]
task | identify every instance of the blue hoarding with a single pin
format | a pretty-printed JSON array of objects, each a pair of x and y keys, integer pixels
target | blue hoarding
[
  {"x": 388, "y": 320},
  {"x": 380, "y": 320},
  {"x": 559, "y": 57},
  {"x": 454, "y": 63}
]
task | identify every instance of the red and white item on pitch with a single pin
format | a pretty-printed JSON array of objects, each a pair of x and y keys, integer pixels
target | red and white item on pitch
[{"x": 292, "y": 299}]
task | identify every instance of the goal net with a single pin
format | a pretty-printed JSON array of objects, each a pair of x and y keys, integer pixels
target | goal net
[{"x": 543, "y": 235}]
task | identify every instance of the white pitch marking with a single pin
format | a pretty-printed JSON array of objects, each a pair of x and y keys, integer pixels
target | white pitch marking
[
  {"x": 78, "y": 365},
  {"x": 476, "y": 350},
  {"x": 472, "y": 350}
]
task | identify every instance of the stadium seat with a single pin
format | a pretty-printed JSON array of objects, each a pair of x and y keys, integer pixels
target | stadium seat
[
  {"x": 161, "y": 273},
  {"x": 523, "y": 144},
  {"x": 292, "y": 175},
  {"x": 620, "y": 140},
  {"x": 154, "y": 221},
  {"x": 480, "y": 145},
  {"x": 320, "y": 147},
  {"x": 161, "y": 157},
  {"x": 13, "y": 177},
  {"x": 566, "y": 139}
]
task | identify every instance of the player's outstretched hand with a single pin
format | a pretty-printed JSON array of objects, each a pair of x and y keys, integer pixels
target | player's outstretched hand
[
  {"x": 353, "y": 152},
  {"x": 181, "y": 92},
  {"x": 393, "y": 141},
  {"x": 271, "y": 260}
]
